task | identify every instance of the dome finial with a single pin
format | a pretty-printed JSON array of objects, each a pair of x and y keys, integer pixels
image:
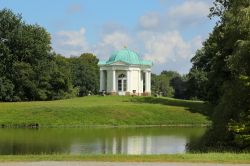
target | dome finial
[{"x": 125, "y": 47}]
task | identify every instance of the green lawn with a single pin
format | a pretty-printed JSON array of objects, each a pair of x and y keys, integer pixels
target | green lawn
[
  {"x": 199, "y": 157},
  {"x": 108, "y": 110}
]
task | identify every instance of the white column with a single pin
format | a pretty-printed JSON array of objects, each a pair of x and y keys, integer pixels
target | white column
[
  {"x": 101, "y": 80},
  {"x": 149, "y": 81},
  {"x": 146, "y": 81},
  {"x": 114, "y": 81},
  {"x": 128, "y": 80},
  {"x": 139, "y": 82}
]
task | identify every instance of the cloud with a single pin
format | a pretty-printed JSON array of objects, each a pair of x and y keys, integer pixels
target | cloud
[
  {"x": 189, "y": 13},
  {"x": 196, "y": 42},
  {"x": 168, "y": 50},
  {"x": 74, "y": 43},
  {"x": 112, "y": 41},
  {"x": 72, "y": 38},
  {"x": 149, "y": 21},
  {"x": 71, "y": 42},
  {"x": 164, "y": 47},
  {"x": 190, "y": 8},
  {"x": 74, "y": 8},
  {"x": 116, "y": 39}
]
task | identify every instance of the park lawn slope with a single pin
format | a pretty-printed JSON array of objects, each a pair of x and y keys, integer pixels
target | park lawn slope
[{"x": 104, "y": 111}]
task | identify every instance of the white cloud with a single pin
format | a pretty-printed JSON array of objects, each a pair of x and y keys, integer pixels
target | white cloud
[
  {"x": 188, "y": 13},
  {"x": 150, "y": 20},
  {"x": 168, "y": 50},
  {"x": 73, "y": 38},
  {"x": 117, "y": 40},
  {"x": 74, "y": 43},
  {"x": 164, "y": 47},
  {"x": 71, "y": 42},
  {"x": 110, "y": 42},
  {"x": 191, "y": 8},
  {"x": 197, "y": 42}
]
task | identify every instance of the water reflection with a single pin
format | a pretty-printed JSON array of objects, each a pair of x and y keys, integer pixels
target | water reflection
[
  {"x": 133, "y": 145},
  {"x": 98, "y": 141}
]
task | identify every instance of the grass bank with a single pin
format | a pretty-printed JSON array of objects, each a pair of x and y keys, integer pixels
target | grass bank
[
  {"x": 199, "y": 157},
  {"x": 105, "y": 111}
]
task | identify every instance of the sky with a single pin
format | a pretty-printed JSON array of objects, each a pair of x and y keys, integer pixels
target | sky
[{"x": 167, "y": 32}]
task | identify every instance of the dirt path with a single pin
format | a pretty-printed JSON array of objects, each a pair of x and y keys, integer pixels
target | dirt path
[{"x": 83, "y": 163}]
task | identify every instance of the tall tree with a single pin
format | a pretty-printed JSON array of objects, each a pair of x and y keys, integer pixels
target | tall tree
[
  {"x": 224, "y": 59},
  {"x": 28, "y": 68}
]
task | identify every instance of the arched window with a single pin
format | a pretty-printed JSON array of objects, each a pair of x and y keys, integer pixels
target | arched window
[{"x": 122, "y": 76}]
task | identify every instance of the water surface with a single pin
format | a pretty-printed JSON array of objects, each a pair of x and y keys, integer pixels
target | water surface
[{"x": 157, "y": 140}]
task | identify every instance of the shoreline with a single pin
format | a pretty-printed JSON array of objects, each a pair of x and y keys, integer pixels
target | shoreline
[
  {"x": 107, "y": 126},
  {"x": 233, "y": 158}
]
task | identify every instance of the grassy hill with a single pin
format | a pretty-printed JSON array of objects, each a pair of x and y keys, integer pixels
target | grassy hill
[{"x": 108, "y": 110}]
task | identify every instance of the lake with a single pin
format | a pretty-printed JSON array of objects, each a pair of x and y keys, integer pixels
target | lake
[{"x": 154, "y": 140}]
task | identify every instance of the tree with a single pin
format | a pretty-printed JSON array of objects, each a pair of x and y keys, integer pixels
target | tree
[
  {"x": 6, "y": 89},
  {"x": 85, "y": 73},
  {"x": 169, "y": 83},
  {"x": 60, "y": 80},
  {"x": 196, "y": 84},
  {"x": 28, "y": 68},
  {"x": 224, "y": 60},
  {"x": 179, "y": 84}
]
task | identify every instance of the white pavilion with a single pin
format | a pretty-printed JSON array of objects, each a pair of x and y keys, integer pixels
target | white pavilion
[{"x": 125, "y": 73}]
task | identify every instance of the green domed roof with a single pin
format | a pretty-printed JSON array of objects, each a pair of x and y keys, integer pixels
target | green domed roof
[
  {"x": 124, "y": 55},
  {"x": 127, "y": 56}
]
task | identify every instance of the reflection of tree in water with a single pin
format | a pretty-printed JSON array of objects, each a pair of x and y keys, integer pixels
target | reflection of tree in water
[
  {"x": 213, "y": 140},
  {"x": 29, "y": 141},
  {"x": 30, "y": 148}
]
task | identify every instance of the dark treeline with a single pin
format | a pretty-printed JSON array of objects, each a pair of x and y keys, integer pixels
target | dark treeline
[
  {"x": 29, "y": 70},
  {"x": 170, "y": 84},
  {"x": 173, "y": 84},
  {"x": 221, "y": 76}
]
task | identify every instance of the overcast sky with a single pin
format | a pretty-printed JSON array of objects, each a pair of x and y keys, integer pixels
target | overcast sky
[{"x": 168, "y": 32}]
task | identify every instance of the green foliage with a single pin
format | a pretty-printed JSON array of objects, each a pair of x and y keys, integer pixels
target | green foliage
[
  {"x": 225, "y": 62},
  {"x": 169, "y": 84},
  {"x": 30, "y": 71},
  {"x": 6, "y": 89},
  {"x": 161, "y": 85},
  {"x": 196, "y": 84},
  {"x": 85, "y": 73},
  {"x": 179, "y": 83}
]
